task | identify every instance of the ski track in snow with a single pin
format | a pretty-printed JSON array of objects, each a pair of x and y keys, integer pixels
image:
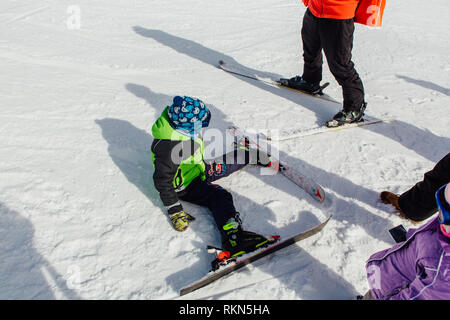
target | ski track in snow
[{"x": 79, "y": 215}]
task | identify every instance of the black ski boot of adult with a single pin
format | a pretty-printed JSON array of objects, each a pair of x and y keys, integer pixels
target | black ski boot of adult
[
  {"x": 346, "y": 117},
  {"x": 301, "y": 84}
]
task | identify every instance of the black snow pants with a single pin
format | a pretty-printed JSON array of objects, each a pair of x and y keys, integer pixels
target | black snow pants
[
  {"x": 335, "y": 38},
  {"x": 218, "y": 200},
  {"x": 419, "y": 203}
]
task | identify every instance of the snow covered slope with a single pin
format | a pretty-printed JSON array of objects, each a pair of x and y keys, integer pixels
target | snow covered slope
[{"x": 81, "y": 84}]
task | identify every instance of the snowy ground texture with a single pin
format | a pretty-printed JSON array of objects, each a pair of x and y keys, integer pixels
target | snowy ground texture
[{"x": 81, "y": 83}]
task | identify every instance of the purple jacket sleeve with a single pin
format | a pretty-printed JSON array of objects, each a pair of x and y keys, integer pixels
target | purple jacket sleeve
[{"x": 385, "y": 277}]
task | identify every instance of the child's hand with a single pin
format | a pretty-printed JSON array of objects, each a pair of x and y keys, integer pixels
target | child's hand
[{"x": 180, "y": 220}]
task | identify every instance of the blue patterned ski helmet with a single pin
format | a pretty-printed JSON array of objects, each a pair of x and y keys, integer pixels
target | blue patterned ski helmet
[{"x": 188, "y": 115}]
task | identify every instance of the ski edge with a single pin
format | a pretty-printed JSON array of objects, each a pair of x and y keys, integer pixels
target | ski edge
[
  {"x": 209, "y": 278},
  {"x": 223, "y": 66},
  {"x": 322, "y": 129}
]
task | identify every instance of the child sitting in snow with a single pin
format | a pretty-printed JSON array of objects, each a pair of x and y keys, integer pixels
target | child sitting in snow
[
  {"x": 182, "y": 174},
  {"x": 418, "y": 268}
]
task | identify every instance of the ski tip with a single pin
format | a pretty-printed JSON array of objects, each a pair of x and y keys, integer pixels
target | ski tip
[
  {"x": 319, "y": 195},
  {"x": 326, "y": 84},
  {"x": 275, "y": 165}
]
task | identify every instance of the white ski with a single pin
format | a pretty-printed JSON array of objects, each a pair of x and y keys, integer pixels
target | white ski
[
  {"x": 288, "y": 134},
  {"x": 304, "y": 182},
  {"x": 275, "y": 82}
]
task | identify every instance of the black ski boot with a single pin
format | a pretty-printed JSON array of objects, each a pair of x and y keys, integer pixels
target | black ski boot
[
  {"x": 301, "y": 84},
  {"x": 345, "y": 117},
  {"x": 238, "y": 242}
]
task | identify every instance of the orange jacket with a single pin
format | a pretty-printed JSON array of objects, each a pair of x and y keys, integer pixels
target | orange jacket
[{"x": 333, "y": 9}]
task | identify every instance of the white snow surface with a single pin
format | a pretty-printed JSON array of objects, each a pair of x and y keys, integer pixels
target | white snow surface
[{"x": 81, "y": 84}]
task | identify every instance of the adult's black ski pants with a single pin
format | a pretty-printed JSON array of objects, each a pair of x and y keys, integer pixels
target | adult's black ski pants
[
  {"x": 335, "y": 38},
  {"x": 419, "y": 203}
]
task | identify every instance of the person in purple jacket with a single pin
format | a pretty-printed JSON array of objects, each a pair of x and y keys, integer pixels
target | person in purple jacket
[{"x": 418, "y": 268}]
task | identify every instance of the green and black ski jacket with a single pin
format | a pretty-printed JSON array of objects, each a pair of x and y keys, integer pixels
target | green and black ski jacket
[{"x": 177, "y": 159}]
